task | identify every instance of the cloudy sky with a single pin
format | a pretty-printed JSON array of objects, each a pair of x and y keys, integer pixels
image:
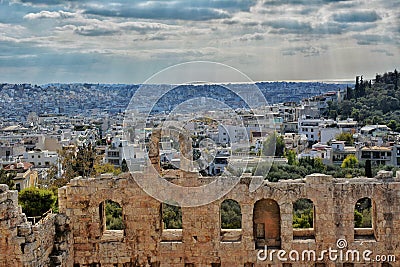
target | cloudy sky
[{"x": 123, "y": 41}]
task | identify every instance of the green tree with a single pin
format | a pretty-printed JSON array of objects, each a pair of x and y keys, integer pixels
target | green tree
[
  {"x": 368, "y": 168},
  {"x": 292, "y": 157},
  {"x": 124, "y": 166},
  {"x": 36, "y": 201},
  {"x": 113, "y": 216},
  {"x": 313, "y": 165},
  {"x": 303, "y": 213},
  {"x": 86, "y": 159},
  {"x": 7, "y": 178},
  {"x": 106, "y": 168},
  {"x": 231, "y": 216},
  {"x": 171, "y": 216},
  {"x": 393, "y": 125},
  {"x": 77, "y": 162},
  {"x": 346, "y": 137},
  {"x": 350, "y": 162},
  {"x": 274, "y": 145},
  {"x": 331, "y": 110},
  {"x": 357, "y": 219}
]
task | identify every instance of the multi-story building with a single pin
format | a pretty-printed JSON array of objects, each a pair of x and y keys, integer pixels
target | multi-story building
[
  {"x": 374, "y": 130},
  {"x": 379, "y": 155},
  {"x": 338, "y": 152},
  {"x": 8, "y": 151},
  {"x": 25, "y": 175},
  {"x": 228, "y": 134},
  {"x": 39, "y": 158},
  {"x": 311, "y": 128},
  {"x": 118, "y": 151}
]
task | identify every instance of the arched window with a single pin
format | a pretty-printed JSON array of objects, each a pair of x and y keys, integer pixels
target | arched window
[
  {"x": 171, "y": 216},
  {"x": 111, "y": 219},
  {"x": 267, "y": 224},
  {"x": 231, "y": 221},
  {"x": 364, "y": 216},
  {"x": 171, "y": 219},
  {"x": 303, "y": 219},
  {"x": 231, "y": 215}
]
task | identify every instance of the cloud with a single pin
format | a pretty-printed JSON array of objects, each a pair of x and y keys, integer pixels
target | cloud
[
  {"x": 196, "y": 10},
  {"x": 162, "y": 32},
  {"x": 159, "y": 12},
  {"x": 329, "y": 28},
  {"x": 6, "y": 27},
  {"x": 45, "y": 2},
  {"x": 183, "y": 54},
  {"x": 373, "y": 39},
  {"x": 300, "y": 2},
  {"x": 93, "y": 30},
  {"x": 283, "y": 26},
  {"x": 50, "y": 15},
  {"x": 252, "y": 37},
  {"x": 230, "y": 21},
  {"x": 237, "y": 5},
  {"x": 335, "y": 28},
  {"x": 306, "y": 51},
  {"x": 356, "y": 16},
  {"x": 94, "y": 27},
  {"x": 383, "y": 51}
]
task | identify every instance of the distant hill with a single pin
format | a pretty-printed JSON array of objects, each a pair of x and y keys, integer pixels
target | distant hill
[{"x": 371, "y": 102}]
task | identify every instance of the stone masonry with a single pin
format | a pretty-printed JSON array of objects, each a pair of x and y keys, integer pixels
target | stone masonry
[{"x": 75, "y": 237}]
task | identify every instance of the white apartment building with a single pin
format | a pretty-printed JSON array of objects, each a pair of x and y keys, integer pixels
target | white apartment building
[
  {"x": 228, "y": 134},
  {"x": 41, "y": 159},
  {"x": 118, "y": 151},
  {"x": 311, "y": 128}
]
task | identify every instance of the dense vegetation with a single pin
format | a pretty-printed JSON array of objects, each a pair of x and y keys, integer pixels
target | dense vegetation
[
  {"x": 303, "y": 214},
  {"x": 84, "y": 162},
  {"x": 171, "y": 216},
  {"x": 7, "y": 178},
  {"x": 362, "y": 213},
  {"x": 274, "y": 142},
  {"x": 371, "y": 103},
  {"x": 231, "y": 215},
  {"x": 36, "y": 201},
  {"x": 113, "y": 216},
  {"x": 306, "y": 166}
]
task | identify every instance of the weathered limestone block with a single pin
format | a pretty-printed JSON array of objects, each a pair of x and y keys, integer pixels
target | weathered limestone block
[
  {"x": 319, "y": 179},
  {"x": 77, "y": 234},
  {"x": 24, "y": 229},
  {"x": 382, "y": 175}
]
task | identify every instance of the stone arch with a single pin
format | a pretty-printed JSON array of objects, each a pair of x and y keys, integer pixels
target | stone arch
[{"x": 267, "y": 224}]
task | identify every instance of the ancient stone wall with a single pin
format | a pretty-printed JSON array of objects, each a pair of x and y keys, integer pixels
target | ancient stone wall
[
  {"x": 145, "y": 243},
  {"x": 24, "y": 244},
  {"x": 10, "y": 217},
  {"x": 76, "y": 236}
]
